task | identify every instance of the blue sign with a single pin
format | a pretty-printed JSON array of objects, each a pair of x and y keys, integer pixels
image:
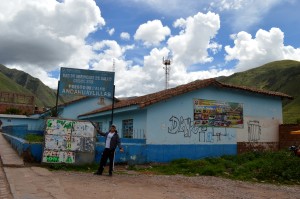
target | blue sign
[{"x": 86, "y": 82}]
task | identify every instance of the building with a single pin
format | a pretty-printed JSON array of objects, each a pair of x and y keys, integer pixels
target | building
[
  {"x": 200, "y": 119},
  {"x": 16, "y": 102}
]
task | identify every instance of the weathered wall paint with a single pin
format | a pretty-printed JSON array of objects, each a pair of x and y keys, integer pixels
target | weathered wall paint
[
  {"x": 259, "y": 130},
  {"x": 65, "y": 138}
]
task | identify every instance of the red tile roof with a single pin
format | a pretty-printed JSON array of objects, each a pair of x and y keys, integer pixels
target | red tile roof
[{"x": 152, "y": 98}]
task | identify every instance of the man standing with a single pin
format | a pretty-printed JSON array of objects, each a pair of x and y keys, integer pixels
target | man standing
[{"x": 112, "y": 141}]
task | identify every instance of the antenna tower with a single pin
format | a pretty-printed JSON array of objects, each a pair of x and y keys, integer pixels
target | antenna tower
[{"x": 167, "y": 67}]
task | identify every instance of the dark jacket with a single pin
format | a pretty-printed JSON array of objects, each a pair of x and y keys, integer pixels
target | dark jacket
[{"x": 115, "y": 140}]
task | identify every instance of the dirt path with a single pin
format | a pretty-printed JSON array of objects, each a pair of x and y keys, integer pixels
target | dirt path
[
  {"x": 35, "y": 182},
  {"x": 168, "y": 187}
]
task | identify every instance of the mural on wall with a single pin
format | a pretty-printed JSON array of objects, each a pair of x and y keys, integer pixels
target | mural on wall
[
  {"x": 63, "y": 138},
  {"x": 206, "y": 134},
  {"x": 254, "y": 131},
  {"x": 211, "y": 113}
]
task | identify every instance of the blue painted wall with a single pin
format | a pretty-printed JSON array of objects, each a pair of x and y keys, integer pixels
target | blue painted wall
[
  {"x": 29, "y": 151},
  {"x": 139, "y": 122},
  {"x": 33, "y": 124}
]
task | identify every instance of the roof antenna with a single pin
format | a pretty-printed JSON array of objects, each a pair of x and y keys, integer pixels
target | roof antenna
[{"x": 167, "y": 67}]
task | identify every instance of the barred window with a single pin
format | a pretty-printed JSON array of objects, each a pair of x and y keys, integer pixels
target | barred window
[{"x": 127, "y": 128}]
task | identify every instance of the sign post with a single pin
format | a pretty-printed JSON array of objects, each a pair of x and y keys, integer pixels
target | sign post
[{"x": 86, "y": 83}]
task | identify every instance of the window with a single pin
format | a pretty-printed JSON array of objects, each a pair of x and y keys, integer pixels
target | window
[
  {"x": 101, "y": 101},
  {"x": 127, "y": 128}
]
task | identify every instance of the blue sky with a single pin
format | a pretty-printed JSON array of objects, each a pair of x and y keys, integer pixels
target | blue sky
[{"x": 205, "y": 38}]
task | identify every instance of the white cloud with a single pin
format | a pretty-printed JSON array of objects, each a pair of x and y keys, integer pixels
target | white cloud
[
  {"x": 47, "y": 34},
  {"x": 135, "y": 80},
  {"x": 111, "y": 31},
  {"x": 267, "y": 46},
  {"x": 125, "y": 36},
  {"x": 191, "y": 45},
  {"x": 244, "y": 14},
  {"x": 169, "y": 7},
  {"x": 152, "y": 32}
]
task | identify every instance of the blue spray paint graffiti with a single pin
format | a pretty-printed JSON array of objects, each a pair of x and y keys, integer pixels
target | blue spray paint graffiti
[{"x": 206, "y": 134}]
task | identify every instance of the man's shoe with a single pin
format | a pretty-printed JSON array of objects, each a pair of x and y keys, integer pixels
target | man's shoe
[
  {"x": 110, "y": 175},
  {"x": 98, "y": 173}
]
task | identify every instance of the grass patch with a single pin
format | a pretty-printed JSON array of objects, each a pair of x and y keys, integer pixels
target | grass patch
[
  {"x": 70, "y": 167},
  {"x": 272, "y": 167},
  {"x": 34, "y": 138}
]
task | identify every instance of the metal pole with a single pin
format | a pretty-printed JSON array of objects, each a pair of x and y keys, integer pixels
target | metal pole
[
  {"x": 56, "y": 109},
  {"x": 113, "y": 104}
]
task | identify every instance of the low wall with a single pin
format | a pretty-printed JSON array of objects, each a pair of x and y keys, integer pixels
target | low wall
[
  {"x": 135, "y": 151},
  {"x": 31, "y": 152},
  {"x": 20, "y": 131},
  {"x": 289, "y": 134},
  {"x": 167, "y": 153},
  {"x": 243, "y": 147}
]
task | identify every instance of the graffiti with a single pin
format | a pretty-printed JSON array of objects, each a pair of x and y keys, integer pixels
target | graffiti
[
  {"x": 206, "y": 134},
  {"x": 50, "y": 156},
  {"x": 254, "y": 131},
  {"x": 65, "y": 137}
]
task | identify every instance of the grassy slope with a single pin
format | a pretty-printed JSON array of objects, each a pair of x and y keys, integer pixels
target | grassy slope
[
  {"x": 44, "y": 96},
  {"x": 282, "y": 76},
  {"x": 8, "y": 85}
]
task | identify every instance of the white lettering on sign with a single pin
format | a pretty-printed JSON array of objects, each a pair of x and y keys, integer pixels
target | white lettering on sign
[{"x": 86, "y": 92}]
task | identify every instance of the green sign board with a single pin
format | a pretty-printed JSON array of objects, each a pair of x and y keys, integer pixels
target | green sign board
[{"x": 86, "y": 82}]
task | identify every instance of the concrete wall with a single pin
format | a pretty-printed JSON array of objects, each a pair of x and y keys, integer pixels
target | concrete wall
[
  {"x": 32, "y": 124},
  {"x": 289, "y": 134}
]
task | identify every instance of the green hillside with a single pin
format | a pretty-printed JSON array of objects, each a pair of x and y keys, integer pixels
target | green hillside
[
  {"x": 13, "y": 80},
  {"x": 282, "y": 76},
  {"x": 8, "y": 85}
]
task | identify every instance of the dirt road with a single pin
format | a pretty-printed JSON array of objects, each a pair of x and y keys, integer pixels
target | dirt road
[{"x": 35, "y": 182}]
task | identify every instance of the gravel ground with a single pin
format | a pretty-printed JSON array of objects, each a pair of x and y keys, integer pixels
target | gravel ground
[{"x": 133, "y": 185}]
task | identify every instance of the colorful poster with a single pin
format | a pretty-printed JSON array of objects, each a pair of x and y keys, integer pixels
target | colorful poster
[
  {"x": 65, "y": 138},
  {"x": 218, "y": 113}
]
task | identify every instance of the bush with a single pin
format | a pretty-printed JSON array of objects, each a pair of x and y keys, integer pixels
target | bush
[
  {"x": 34, "y": 138},
  {"x": 273, "y": 167}
]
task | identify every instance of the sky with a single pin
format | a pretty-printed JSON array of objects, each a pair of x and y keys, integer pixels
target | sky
[{"x": 202, "y": 38}]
